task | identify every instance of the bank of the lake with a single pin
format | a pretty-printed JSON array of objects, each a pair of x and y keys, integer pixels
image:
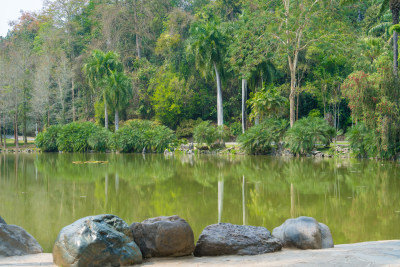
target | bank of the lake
[{"x": 380, "y": 253}]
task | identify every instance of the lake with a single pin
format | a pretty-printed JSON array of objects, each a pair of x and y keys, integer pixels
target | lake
[{"x": 358, "y": 199}]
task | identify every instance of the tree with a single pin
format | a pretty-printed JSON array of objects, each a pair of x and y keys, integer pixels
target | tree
[
  {"x": 296, "y": 23},
  {"x": 105, "y": 70},
  {"x": 394, "y": 6},
  {"x": 207, "y": 44}
]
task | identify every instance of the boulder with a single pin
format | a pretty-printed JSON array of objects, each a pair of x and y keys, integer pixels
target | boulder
[
  {"x": 230, "y": 239},
  {"x": 2, "y": 220},
  {"x": 163, "y": 236},
  {"x": 15, "y": 241},
  {"x": 102, "y": 240},
  {"x": 304, "y": 233}
]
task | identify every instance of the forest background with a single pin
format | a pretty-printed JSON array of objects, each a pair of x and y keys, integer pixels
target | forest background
[{"x": 180, "y": 62}]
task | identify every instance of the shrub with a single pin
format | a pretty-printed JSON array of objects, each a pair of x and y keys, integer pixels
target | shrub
[
  {"x": 307, "y": 132},
  {"x": 362, "y": 141},
  {"x": 236, "y": 128},
  {"x": 136, "y": 135},
  {"x": 261, "y": 138},
  {"x": 100, "y": 140},
  {"x": 47, "y": 140},
  {"x": 73, "y": 137},
  {"x": 186, "y": 128},
  {"x": 205, "y": 133}
]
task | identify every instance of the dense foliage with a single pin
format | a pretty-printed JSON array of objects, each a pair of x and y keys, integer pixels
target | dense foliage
[
  {"x": 175, "y": 62},
  {"x": 138, "y": 135},
  {"x": 260, "y": 139},
  {"x": 306, "y": 133}
]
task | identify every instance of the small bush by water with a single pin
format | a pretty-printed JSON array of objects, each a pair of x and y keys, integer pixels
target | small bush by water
[
  {"x": 307, "y": 132},
  {"x": 261, "y": 138},
  {"x": 136, "y": 135},
  {"x": 47, "y": 140},
  {"x": 133, "y": 136}
]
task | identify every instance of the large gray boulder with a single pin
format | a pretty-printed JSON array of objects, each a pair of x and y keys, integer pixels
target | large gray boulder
[
  {"x": 304, "y": 233},
  {"x": 102, "y": 240},
  {"x": 15, "y": 241},
  {"x": 163, "y": 236},
  {"x": 2, "y": 220},
  {"x": 230, "y": 239}
]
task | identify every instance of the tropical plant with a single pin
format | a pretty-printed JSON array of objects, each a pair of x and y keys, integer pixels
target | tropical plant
[
  {"x": 362, "y": 141},
  {"x": 139, "y": 135},
  {"x": 265, "y": 102},
  {"x": 74, "y": 137},
  {"x": 307, "y": 133},
  {"x": 207, "y": 43},
  {"x": 261, "y": 138},
  {"x": 47, "y": 140},
  {"x": 205, "y": 133},
  {"x": 101, "y": 140}
]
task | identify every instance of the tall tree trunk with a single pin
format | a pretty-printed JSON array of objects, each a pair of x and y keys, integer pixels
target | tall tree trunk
[
  {"x": 105, "y": 115},
  {"x": 220, "y": 112},
  {"x": 62, "y": 100},
  {"x": 292, "y": 95},
  {"x": 1, "y": 131},
  {"x": 395, "y": 18},
  {"x": 139, "y": 53},
  {"x": 16, "y": 130},
  {"x": 73, "y": 99},
  {"x": 297, "y": 106},
  {"x": 244, "y": 98},
  {"x": 116, "y": 120}
]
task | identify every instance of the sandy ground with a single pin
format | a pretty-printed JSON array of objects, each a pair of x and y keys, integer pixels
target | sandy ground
[{"x": 379, "y": 253}]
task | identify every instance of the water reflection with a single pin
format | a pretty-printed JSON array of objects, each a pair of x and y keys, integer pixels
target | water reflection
[{"x": 44, "y": 192}]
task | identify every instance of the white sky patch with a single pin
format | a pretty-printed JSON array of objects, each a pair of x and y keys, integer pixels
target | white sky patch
[{"x": 10, "y": 11}]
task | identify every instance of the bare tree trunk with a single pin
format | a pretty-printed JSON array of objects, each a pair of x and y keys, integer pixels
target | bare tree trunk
[
  {"x": 139, "y": 53},
  {"x": 1, "y": 131},
  {"x": 395, "y": 18},
  {"x": 62, "y": 100},
  {"x": 297, "y": 107},
  {"x": 244, "y": 97},
  {"x": 16, "y": 130},
  {"x": 73, "y": 99},
  {"x": 116, "y": 120},
  {"x": 291, "y": 96},
  {"x": 105, "y": 115},
  {"x": 220, "y": 112}
]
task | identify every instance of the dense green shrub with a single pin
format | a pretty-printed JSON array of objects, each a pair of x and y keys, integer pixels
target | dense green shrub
[
  {"x": 306, "y": 133},
  {"x": 101, "y": 140},
  {"x": 236, "y": 128},
  {"x": 261, "y": 138},
  {"x": 205, "y": 133},
  {"x": 73, "y": 137},
  {"x": 47, "y": 140},
  {"x": 136, "y": 135},
  {"x": 362, "y": 140},
  {"x": 186, "y": 128}
]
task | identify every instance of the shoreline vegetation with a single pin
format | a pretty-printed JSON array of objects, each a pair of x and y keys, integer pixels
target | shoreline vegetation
[
  {"x": 274, "y": 72},
  {"x": 310, "y": 137}
]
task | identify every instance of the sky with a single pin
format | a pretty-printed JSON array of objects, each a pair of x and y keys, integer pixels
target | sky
[{"x": 10, "y": 10}]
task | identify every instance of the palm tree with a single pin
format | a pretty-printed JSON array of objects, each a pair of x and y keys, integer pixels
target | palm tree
[
  {"x": 118, "y": 91},
  {"x": 394, "y": 6},
  {"x": 105, "y": 70},
  {"x": 207, "y": 44}
]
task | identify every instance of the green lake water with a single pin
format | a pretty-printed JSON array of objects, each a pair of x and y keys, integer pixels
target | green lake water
[{"x": 358, "y": 200}]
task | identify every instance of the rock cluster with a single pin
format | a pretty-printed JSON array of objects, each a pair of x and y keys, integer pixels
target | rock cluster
[
  {"x": 15, "y": 241},
  {"x": 164, "y": 236},
  {"x": 106, "y": 240},
  {"x": 230, "y": 239},
  {"x": 304, "y": 233},
  {"x": 102, "y": 240}
]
